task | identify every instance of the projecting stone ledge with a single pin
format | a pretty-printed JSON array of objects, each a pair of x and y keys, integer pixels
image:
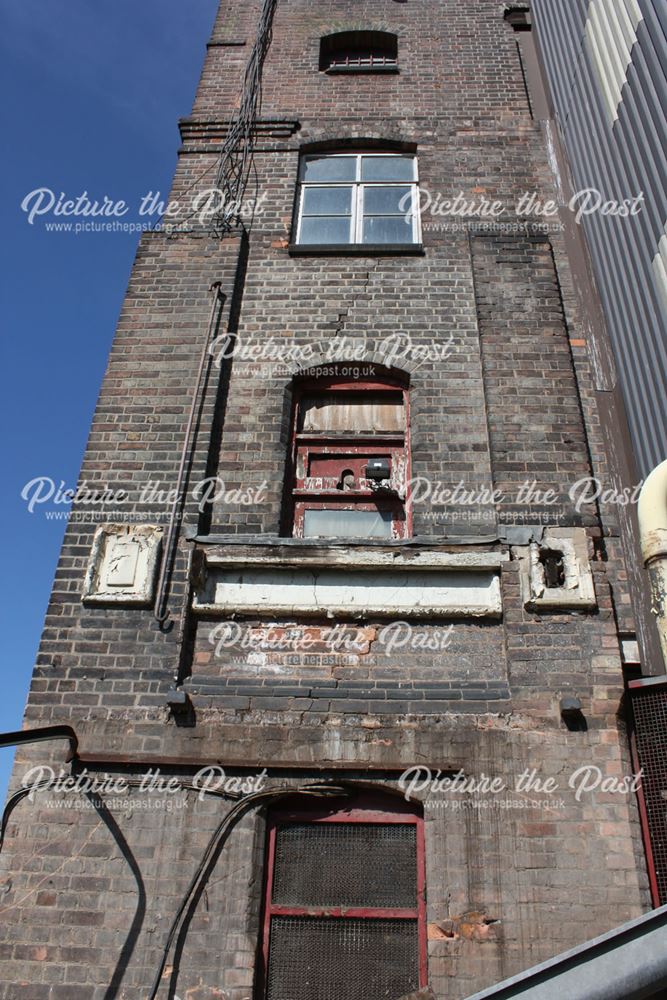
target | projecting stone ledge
[{"x": 355, "y": 583}]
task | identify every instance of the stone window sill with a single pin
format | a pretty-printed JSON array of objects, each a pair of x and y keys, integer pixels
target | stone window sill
[
  {"x": 346, "y": 70},
  {"x": 356, "y": 250},
  {"x": 329, "y": 581}
]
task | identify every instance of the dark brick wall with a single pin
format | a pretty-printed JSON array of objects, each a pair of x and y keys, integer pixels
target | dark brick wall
[
  {"x": 87, "y": 895},
  {"x": 535, "y": 422}
]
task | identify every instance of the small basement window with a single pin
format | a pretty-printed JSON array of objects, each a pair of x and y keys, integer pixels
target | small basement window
[{"x": 359, "y": 52}]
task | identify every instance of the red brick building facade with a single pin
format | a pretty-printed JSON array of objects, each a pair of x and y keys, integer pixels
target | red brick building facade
[{"x": 395, "y": 561}]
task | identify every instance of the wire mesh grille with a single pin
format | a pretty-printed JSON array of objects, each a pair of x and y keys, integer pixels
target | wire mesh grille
[
  {"x": 650, "y": 712},
  {"x": 346, "y": 864},
  {"x": 329, "y": 959}
]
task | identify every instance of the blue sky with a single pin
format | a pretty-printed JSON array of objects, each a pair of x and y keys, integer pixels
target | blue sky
[{"x": 93, "y": 91}]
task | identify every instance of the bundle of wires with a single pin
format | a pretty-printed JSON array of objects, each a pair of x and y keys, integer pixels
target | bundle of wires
[
  {"x": 235, "y": 161},
  {"x": 212, "y": 851}
]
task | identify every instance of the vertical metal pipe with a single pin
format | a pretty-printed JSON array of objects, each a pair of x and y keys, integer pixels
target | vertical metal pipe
[{"x": 161, "y": 613}]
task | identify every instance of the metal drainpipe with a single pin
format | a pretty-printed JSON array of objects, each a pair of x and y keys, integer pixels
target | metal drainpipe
[
  {"x": 161, "y": 612},
  {"x": 652, "y": 514}
]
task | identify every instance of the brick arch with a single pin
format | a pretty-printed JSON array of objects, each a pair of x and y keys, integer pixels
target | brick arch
[
  {"x": 372, "y": 357},
  {"x": 337, "y": 25},
  {"x": 330, "y": 141},
  {"x": 355, "y": 795}
]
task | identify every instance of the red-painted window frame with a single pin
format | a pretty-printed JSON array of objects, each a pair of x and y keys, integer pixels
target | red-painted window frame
[
  {"x": 303, "y": 497},
  {"x": 343, "y": 811}
]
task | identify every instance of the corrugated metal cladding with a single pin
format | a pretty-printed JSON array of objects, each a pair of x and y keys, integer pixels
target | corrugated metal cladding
[
  {"x": 606, "y": 64},
  {"x": 649, "y": 707}
]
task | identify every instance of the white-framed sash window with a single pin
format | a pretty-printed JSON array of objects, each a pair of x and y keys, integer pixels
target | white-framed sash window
[{"x": 358, "y": 199}]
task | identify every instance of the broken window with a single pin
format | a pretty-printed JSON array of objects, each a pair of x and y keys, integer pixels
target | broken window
[
  {"x": 554, "y": 567},
  {"x": 556, "y": 571},
  {"x": 358, "y": 198},
  {"x": 350, "y": 461},
  {"x": 344, "y": 911}
]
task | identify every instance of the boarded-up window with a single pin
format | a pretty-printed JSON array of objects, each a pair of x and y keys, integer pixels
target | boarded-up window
[
  {"x": 353, "y": 412},
  {"x": 350, "y": 461}
]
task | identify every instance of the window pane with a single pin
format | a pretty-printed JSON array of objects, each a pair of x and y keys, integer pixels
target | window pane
[
  {"x": 345, "y": 864},
  {"x": 330, "y": 168},
  {"x": 337, "y": 523},
  {"x": 387, "y": 229},
  {"x": 327, "y": 201},
  {"x": 355, "y": 412},
  {"x": 326, "y": 958},
  {"x": 388, "y": 168},
  {"x": 393, "y": 200},
  {"x": 325, "y": 229}
]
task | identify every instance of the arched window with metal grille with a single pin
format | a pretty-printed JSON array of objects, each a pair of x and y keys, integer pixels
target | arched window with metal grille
[{"x": 359, "y": 52}]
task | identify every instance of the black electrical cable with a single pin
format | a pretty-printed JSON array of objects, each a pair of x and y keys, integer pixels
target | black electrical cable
[
  {"x": 223, "y": 828},
  {"x": 21, "y": 736},
  {"x": 14, "y": 799},
  {"x": 233, "y": 172},
  {"x": 235, "y": 161},
  {"x": 243, "y": 803}
]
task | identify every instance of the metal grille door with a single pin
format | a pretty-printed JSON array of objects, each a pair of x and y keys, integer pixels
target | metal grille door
[
  {"x": 345, "y": 906},
  {"x": 649, "y": 704}
]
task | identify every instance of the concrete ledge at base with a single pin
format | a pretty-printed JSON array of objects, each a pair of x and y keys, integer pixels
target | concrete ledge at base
[
  {"x": 355, "y": 249},
  {"x": 627, "y": 963},
  {"x": 345, "y": 696}
]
